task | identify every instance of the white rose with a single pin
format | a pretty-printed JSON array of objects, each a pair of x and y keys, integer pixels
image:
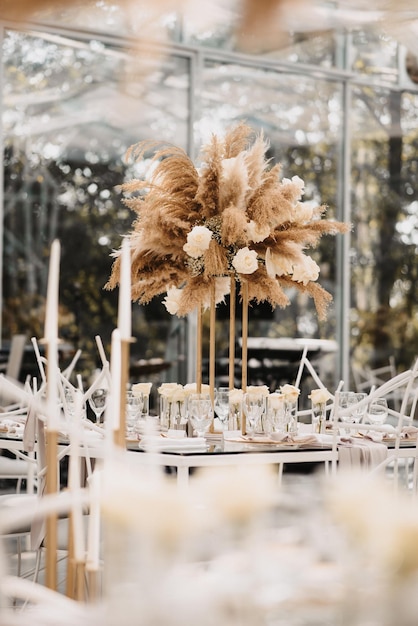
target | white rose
[
  {"x": 290, "y": 392},
  {"x": 258, "y": 390},
  {"x": 167, "y": 389},
  {"x": 277, "y": 265},
  {"x": 197, "y": 241},
  {"x": 192, "y": 388},
  {"x": 275, "y": 400},
  {"x": 305, "y": 270},
  {"x": 297, "y": 182},
  {"x": 144, "y": 388},
  {"x": 319, "y": 396},
  {"x": 235, "y": 396},
  {"x": 172, "y": 300},
  {"x": 256, "y": 232},
  {"x": 179, "y": 394},
  {"x": 245, "y": 261},
  {"x": 304, "y": 212}
]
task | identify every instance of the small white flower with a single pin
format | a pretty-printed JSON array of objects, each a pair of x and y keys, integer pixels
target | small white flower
[
  {"x": 319, "y": 396},
  {"x": 305, "y": 270},
  {"x": 198, "y": 241},
  {"x": 245, "y": 261},
  {"x": 257, "y": 232},
  {"x": 172, "y": 300},
  {"x": 277, "y": 265}
]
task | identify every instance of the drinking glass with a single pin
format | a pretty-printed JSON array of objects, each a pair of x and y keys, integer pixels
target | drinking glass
[
  {"x": 222, "y": 404},
  {"x": 347, "y": 400},
  {"x": 359, "y": 412},
  {"x": 275, "y": 418},
  {"x": 134, "y": 402},
  {"x": 70, "y": 394},
  {"x": 199, "y": 407},
  {"x": 254, "y": 407},
  {"x": 378, "y": 411},
  {"x": 98, "y": 401}
]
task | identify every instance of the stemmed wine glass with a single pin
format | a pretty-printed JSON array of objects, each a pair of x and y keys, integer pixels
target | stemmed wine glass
[
  {"x": 378, "y": 411},
  {"x": 200, "y": 412},
  {"x": 222, "y": 404},
  {"x": 97, "y": 402}
]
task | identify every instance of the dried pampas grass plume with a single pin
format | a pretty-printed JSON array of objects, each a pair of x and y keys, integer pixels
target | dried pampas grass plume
[{"x": 233, "y": 217}]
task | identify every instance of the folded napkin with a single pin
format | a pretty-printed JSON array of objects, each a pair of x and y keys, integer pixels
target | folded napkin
[
  {"x": 409, "y": 432},
  {"x": 363, "y": 452},
  {"x": 174, "y": 444},
  {"x": 302, "y": 440}
]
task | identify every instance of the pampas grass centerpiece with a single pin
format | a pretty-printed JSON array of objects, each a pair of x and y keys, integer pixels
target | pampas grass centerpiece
[{"x": 232, "y": 221}]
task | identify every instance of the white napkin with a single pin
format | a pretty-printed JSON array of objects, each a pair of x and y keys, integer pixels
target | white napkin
[
  {"x": 183, "y": 444},
  {"x": 361, "y": 453}
]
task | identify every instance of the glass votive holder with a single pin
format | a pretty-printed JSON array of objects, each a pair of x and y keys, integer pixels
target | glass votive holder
[
  {"x": 275, "y": 420},
  {"x": 319, "y": 416},
  {"x": 291, "y": 416}
]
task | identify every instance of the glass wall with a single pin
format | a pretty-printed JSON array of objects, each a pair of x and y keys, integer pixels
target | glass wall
[
  {"x": 334, "y": 112},
  {"x": 71, "y": 108}
]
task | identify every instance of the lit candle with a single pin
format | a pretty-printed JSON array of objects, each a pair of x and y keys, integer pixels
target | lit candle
[{"x": 124, "y": 304}]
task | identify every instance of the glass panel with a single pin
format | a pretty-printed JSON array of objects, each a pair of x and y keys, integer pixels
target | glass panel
[
  {"x": 375, "y": 55},
  {"x": 71, "y": 110},
  {"x": 301, "y": 117},
  {"x": 384, "y": 242}
]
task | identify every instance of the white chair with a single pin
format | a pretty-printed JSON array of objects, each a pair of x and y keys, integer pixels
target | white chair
[
  {"x": 406, "y": 387},
  {"x": 18, "y": 468}
]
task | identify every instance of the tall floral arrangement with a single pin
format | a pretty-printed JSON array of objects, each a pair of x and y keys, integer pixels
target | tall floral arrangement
[{"x": 234, "y": 216}]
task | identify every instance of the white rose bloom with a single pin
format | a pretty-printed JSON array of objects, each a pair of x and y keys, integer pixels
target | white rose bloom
[
  {"x": 304, "y": 212},
  {"x": 277, "y": 265},
  {"x": 144, "y": 388},
  {"x": 172, "y": 300},
  {"x": 179, "y": 394},
  {"x": 256, "y": 232},
  {"x": 245, "y": 261},
  {"x": 197, "y": 241},
  {"x": 167, "y": 390},
  {"x": 235, "y": 396},
  {"x": 190, "y": 388},
  {"x": 319, "y": 396},
  {"x": 275, "y": 401},
  {"x": 194, "y": 251},
  {"x": 258, "y": 390},
  {"x": 297, "y": 182},
  {"x": 290, "y": 392},
  {"x": 305, "y": 271}
]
